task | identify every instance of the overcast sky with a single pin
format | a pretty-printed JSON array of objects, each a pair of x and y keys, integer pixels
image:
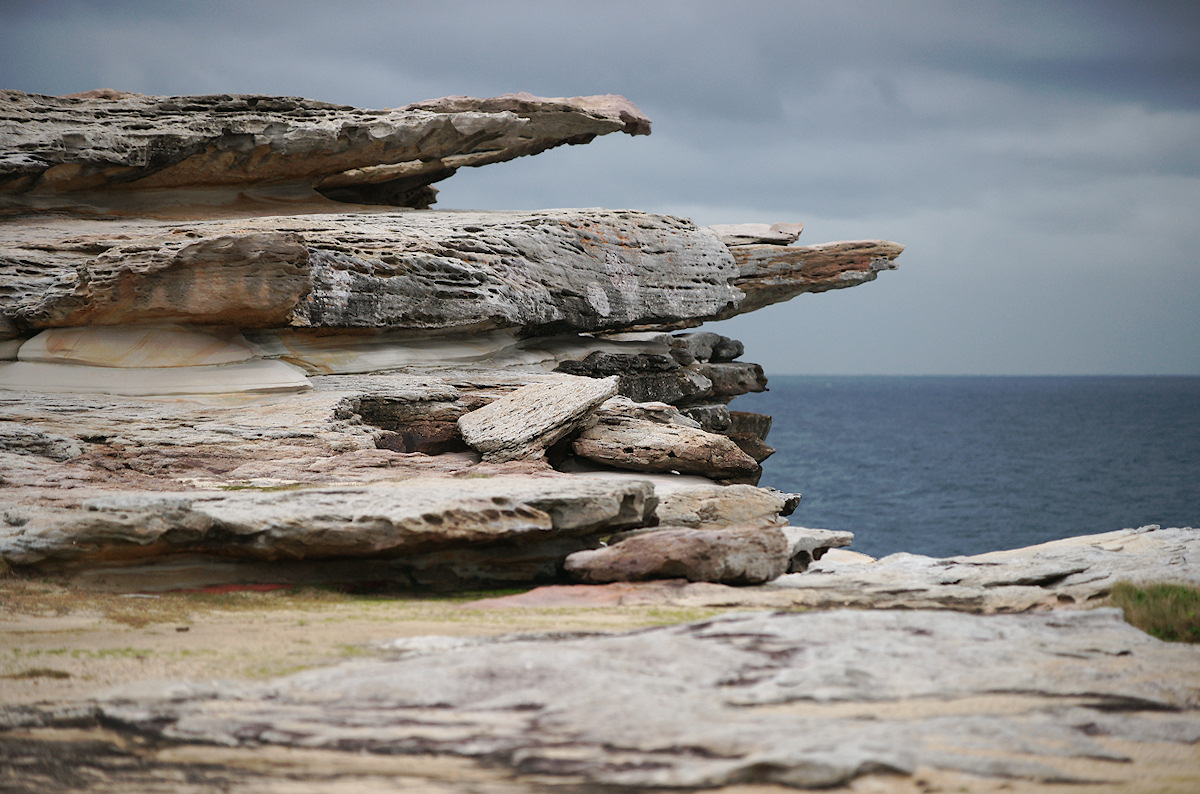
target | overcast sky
[{"x": 1039, "y": 160}]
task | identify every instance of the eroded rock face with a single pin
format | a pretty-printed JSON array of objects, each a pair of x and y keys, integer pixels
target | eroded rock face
[
  {"x": 421, "y": 523},
  {"x": 809, "y": 700},
  {"x": 773, "y": 273},
  {"x": 113, "y": 150},
  {"x": 425, "y": 273}
]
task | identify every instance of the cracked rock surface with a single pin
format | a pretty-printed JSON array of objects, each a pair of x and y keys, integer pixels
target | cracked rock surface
[
  {"x": 115, "y": 150},
  {"x": 806, "y": 700}
]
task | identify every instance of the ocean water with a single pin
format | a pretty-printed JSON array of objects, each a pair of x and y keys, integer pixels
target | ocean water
[{"x": 963, "y": 465}]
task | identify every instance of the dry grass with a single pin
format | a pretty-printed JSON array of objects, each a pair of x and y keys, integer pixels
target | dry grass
[{"x": 1167, "y": 611}]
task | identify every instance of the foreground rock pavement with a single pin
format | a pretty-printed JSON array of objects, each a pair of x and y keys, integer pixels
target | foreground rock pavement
[{"x": 806, "y": 700}]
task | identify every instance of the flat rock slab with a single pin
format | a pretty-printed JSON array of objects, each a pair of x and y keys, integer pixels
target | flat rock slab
[
  {"x": 545, "y": 272},
  {"x": 116, "y": 150},
  {"x": 806, "y": 700},
  {"x": 386, "y": 521},
  {"x": 773, "y": 273},
  {"x": 733, "y": 555},
  {"x": 1063, "y": 573},
  {"x": 523, "y": 424},
  {"x": 642, "y": 445}
]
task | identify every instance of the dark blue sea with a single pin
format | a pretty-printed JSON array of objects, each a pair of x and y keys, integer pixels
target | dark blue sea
[{"x": 963, "y": 465}]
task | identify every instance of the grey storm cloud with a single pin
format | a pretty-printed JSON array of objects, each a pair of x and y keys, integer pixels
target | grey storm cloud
[{"x": 1038, "y": 159}]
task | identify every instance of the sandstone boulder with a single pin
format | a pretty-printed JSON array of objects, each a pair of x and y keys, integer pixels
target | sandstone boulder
[
  {"x": 641, "y": 445},
  {"x": 735, "y": 555},
  {"x": 526, "y": 422}
]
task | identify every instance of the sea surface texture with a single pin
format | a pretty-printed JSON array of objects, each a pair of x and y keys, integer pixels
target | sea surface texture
[{"x": 964, "y": 465}]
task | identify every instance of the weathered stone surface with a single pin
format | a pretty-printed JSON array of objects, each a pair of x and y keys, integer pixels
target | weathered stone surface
[
  {"x": 729, "y": 379},
  {"x": 387, "y": 521},
  {"x": 526, "y": 422},
  {"x": 119, "y": 150},
  {"x": 808, "y": 700},
  {"x": 257, "y": 376},
  {"x": 772, "y": 273},
  {"x": 689, "y": 500},
  {"x": 24, "y": 440},
  {"x": 644, "y": 376},
  {"x": 712, "y": 417},
  {"x": 619, "y": 408},
  {"x": 1071, "y": 571},
  {"x": 323, "y": 351},
  {"x": 707, "y": 346},
  {"x": 642, "y": 445},
  {"x": 752, "y": 233},
  {"x": 735, "y": 556},
  {"x": 54, "y": 274},
  {"x": 748, "y": 423},
  {"x": 167, "y": 444},
  {"x": 142, "y": 345},
  {"x": 696, "y": 505},
  {"x": 752, "y": 446},
  {"x": 1065, "y": 573},
  {"x": 421, "y": 272}
]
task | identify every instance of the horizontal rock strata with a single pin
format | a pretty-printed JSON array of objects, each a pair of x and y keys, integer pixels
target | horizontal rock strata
[
  {"x": 542, "y": 272},
  {"x": 811, "y": 700},
  {"x": 114, "y": 150},
  {"x": 417, "y": 522},
  {"x": 137, "y": 261}
]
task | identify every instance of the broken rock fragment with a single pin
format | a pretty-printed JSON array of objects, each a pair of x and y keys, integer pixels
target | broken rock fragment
[
  {"x": 526, "y": 422},
  {"x": 735, "y": 555},
  {"x": 642, "y": 445}
]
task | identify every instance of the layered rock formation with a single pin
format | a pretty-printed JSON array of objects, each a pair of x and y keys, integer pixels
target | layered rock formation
[
  {"x": 345, "y": 365},
  {"x": 111, "y": 150}
]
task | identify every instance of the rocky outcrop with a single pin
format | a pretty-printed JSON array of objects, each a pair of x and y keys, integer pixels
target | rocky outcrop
[
  {"x": 111, "y": 150},
  {"x": 650, "y": 446},
  {"x": 143, "y": 257},
  {"x": 809, "y": 700}
]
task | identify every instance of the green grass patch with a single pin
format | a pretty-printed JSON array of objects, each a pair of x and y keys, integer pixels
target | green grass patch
[
  {"x": 1169, "y": 612},
  {"x": 39, "y": 672}
]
